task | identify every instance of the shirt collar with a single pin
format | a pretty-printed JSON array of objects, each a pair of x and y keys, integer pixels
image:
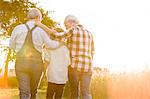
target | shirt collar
[
  {"x": 79, "y": 25},
  {"x": 31, "y": 23}
]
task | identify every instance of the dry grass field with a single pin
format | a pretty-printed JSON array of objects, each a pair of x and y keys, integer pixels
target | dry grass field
[{"x": 104, "y": 86}]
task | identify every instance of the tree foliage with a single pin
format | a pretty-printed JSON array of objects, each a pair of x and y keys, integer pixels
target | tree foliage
[{"x": 14, "y": 12}]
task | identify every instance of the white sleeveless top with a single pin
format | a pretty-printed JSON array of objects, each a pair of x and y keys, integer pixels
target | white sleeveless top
[{"x": 58, "y": 67}]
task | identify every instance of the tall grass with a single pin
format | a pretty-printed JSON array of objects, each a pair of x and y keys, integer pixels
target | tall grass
[
  {"x": 103, "y": 86},
  {"x": 121, "y": 86}
]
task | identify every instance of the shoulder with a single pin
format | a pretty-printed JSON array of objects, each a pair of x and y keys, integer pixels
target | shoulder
[
  {"x": 79, "y": 28},
  {"x": 21, "y": 26},
  {"x": 87, "y": 31},
  {"x": 19, "y": 29},
  {"x": 40, "y": 30}
]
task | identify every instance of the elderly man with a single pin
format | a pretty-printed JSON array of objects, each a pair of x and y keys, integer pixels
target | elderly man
[
  {"x": 27, "y": 40},
  {"x": 81, "y": 45}
]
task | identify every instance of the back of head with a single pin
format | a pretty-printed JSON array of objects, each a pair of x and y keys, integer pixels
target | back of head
[
  {"x": 71, "y": 18},
  {"x": 34, "y": 13}
]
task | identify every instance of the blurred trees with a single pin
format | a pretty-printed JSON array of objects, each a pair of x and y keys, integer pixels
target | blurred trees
[{"x": 14, "y": 12}]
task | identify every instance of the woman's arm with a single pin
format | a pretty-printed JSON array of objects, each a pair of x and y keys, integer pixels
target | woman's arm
[
  {"x": 61, "y": 44},
  {"x": 45, "y": 28}
]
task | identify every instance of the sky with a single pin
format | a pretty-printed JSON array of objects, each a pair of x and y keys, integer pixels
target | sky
[{"x": 121, "y": 29}]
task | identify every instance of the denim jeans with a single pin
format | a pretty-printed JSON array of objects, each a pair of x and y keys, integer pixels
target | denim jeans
[
  {"x": 28, "y": 73},
  {"x": 79, "y": 80}
]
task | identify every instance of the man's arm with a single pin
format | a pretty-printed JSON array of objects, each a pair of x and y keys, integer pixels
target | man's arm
[
  {"x": 52, "y": 44},
  {"x": 53, "y": 31},
  {"x": 12, "y": 41},
  {"x": 45, "y": 28}
]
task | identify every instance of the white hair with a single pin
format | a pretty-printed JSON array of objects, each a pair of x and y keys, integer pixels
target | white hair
[
  {"x": 71, "y": 18},
  {"x": 34, "y": 13}
]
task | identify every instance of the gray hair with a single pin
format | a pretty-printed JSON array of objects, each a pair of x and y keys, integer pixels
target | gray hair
[
  {"x": 71, "y": 18},
  {"x": 34, "y": 13}
]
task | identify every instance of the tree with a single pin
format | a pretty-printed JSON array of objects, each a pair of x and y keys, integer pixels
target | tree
[{"x": 12, "y": 13}]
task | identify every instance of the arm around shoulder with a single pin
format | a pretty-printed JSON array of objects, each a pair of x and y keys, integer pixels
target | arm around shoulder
[{"x": 49, "y": 42}]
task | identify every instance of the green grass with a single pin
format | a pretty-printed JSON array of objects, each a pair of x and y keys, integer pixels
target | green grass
[
  {"x": 12, "y": 91},
  {"x": 14, "y": 94}
]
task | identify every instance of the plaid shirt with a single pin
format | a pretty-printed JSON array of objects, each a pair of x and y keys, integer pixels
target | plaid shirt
[{"x": 81, "y": 45}]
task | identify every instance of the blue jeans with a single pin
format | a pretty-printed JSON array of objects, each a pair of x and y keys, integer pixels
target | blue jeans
[
  {"x": 79, "y": 79},
  {"x": 28, "y": 73}
]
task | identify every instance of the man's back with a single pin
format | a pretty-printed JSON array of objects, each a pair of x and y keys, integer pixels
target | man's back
[
  {"x": 81, "y": 48},
  {"x": 39, "y": 37},
  {"x": 81, "y": 42}
]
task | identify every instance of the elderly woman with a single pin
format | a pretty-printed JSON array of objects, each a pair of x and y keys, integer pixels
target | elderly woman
[{"x": 27, "y": 41}]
